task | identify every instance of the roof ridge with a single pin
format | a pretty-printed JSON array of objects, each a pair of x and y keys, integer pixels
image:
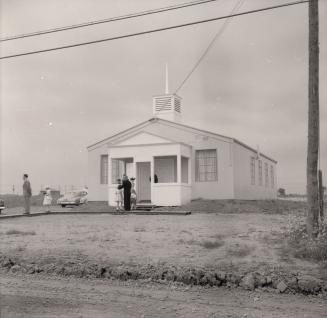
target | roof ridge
[{"x": 156, "y": 119}]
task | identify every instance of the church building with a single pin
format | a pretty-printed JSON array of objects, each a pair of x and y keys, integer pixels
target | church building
[{"x": 173, "y": 163}]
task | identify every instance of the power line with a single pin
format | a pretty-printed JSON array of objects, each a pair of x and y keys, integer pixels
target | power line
[
  {"x": 221, "y": 30},
  {"x": 151, "y": 31},
  {"x": 119, "y": 18},
  {"x": 218, "y": 34}
]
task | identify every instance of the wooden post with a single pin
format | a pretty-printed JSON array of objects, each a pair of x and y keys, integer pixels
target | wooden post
[
  {"x": 321, "y": 197},
  {"x": 313, "y": 121}
]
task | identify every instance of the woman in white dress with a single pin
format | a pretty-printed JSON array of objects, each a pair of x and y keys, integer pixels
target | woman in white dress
[
  {"x": 119, "y": 197},
  {"x": 47, "y": 199}
]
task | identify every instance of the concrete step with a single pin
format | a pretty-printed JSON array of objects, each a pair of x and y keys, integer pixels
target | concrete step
[{"x": 145, "y": 207}]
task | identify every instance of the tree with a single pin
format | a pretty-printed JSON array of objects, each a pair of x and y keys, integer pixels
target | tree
[
  {"x": 313, "y": 121},
  {"x": 281, "y": 192}
]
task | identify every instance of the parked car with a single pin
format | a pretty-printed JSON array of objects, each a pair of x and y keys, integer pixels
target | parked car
[
  {"x": 73, "y": 198},
  {"x": 2, "y": 205}
]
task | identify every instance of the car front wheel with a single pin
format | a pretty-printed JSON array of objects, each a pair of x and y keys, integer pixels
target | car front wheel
[{"x": 63, "y": 205}]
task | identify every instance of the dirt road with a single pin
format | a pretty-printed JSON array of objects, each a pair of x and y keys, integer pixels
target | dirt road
[{"x": 40, "y": 296}]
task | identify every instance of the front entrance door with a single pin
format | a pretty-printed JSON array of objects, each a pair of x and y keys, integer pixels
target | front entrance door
[{"x": 143, "y": 181}]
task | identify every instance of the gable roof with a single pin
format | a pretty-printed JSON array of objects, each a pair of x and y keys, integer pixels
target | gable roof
[
  {"x": 147, "y": 123},
  {"x": 164, "y": 121},
  {"x": 139, "y": 136},
  {"x": 122, "y": 133}
]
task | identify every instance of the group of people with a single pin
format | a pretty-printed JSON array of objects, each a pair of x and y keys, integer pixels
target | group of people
[
  {"x": 126, "y": 194},
  {"x": 27, "y": 193}
]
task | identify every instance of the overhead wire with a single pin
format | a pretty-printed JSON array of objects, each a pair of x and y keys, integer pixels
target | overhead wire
[
  {"x": 212, "y": 42},
  {"x": 113, "y": 19},
  {"x": 220, "y": 31},
  {"x": 152, "y": 31}
]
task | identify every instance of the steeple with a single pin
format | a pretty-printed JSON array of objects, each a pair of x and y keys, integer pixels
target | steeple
[
  {"x": 167, "y": 81},
  {"x": 167, "y": 106}
]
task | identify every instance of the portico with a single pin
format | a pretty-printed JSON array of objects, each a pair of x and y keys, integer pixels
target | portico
[{"x": 162, "y": 171}]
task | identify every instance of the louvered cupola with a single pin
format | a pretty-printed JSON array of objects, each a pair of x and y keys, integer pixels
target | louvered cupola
[{"x": 167, "y": 106}]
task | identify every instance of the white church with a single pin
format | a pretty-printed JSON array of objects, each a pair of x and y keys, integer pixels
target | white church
[{"x": 173, "y": 163}]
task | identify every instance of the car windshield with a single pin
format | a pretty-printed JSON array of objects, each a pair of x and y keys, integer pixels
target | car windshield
[{"x": 74, "y": 194}]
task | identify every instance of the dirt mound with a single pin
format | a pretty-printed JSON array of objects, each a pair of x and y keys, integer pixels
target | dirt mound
[{"x": 270, "y": 278}]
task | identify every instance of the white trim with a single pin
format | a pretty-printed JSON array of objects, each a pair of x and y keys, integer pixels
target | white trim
[
  {"x": 172, "y": 184},
  {"x": 139, "y": 133},
  {"x": 157, "y": 144},
  {"x": 120, "y": 134}
]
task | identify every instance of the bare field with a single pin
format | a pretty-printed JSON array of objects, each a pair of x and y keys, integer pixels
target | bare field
[{"x": 248, "y": 240}]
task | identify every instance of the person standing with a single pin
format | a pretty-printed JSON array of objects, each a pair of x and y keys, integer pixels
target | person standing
[
  {"x": 133, "y": 195},
  {"x": 119, "y": 197},
  {"x": 126, "y": 185},
  {"x": 47, "y": 199},
  {"x": 27, "y": 192}
]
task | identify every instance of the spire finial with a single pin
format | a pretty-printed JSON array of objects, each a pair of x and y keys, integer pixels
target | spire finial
[{"x": 167, "y": 80}]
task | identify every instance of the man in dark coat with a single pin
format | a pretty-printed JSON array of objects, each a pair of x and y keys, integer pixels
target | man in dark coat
[
  {"x": 126, "y": 185},
  {"x": 27, "y": 192}
]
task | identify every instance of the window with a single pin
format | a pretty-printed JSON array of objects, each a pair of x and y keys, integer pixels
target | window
[
  {"x": 252, "y": 167},
  {"x": 119, "y": 167},
  {"x": 272, "y": 179},
  {"x": 104, "y": 169},
  {"x": 206, "y": 165},
  {"x": 260, "y": 173},
  {"x": 266, "y": 175},
  {"x": 165, "y": 168}
]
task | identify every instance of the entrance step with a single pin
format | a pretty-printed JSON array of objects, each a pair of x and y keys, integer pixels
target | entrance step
[{"x": 145, "y": 207}]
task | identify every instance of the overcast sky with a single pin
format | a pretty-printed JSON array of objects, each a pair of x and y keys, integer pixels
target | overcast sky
[{"x": 252, "y": 85}]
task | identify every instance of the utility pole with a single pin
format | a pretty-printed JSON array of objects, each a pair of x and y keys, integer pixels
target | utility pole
[
  {"x": 321, "y": 196},
  {"x": 313, "y": 121}
]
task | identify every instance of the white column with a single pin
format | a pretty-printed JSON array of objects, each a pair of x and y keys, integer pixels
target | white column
[
  {"x": 189, "y": 170},
  {"x": 134, "y": 168},
  {"x": 152, "y": 177},
  {"x": 109, "y": 177},
  {"x": 109, "y": 170},
  {"x": 179, "y": 168},
  {"x": 134, "y": 174}
]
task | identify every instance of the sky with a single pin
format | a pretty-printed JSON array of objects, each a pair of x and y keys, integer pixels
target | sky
[{"x": 252, "y": 85}]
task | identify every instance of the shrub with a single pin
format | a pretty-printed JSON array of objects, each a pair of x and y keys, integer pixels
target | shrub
[
  {"x": 240, "y": 250},
  {"x": 211, "y": 244},
  {"x": 301, "y": 245},
  {"x": 18, "y": 232}
]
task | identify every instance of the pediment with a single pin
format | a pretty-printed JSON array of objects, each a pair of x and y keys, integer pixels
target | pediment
[{"x": 142, "y": 138}]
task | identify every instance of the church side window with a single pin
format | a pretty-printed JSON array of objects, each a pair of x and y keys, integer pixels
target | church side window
[
  {"x": 206, "y": 165},
  {"x": 266, "y": 175},
  {"x": 260, "y": 173},
  {"x": 252, "y": 167},
  {"x": 272, "y": 177}
]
